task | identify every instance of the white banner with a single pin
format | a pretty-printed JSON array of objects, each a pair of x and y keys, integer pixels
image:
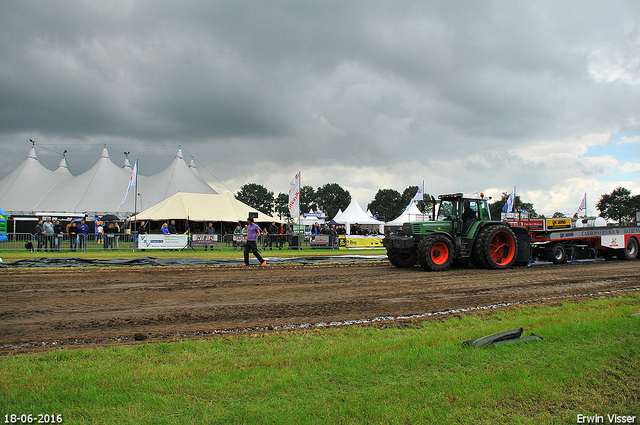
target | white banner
[
  {"x": 162, "y": 241},
  {"x": 294, "y": 197}
]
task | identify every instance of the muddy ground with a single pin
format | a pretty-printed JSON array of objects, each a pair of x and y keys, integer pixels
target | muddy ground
[{"x": 44, "y": 308}]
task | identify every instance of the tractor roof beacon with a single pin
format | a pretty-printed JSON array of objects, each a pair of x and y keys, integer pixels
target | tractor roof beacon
[{"x": 462, "y": 231}]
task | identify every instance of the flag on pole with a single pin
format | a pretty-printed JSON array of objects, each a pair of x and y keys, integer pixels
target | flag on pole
[
  {"x": 582, "y": 205},
  {"x": 508, "y": 206},
  {"x": 419, "y": 196},
  {"x": 132, "y": 181},
  {"x": 294, "y": 197}
]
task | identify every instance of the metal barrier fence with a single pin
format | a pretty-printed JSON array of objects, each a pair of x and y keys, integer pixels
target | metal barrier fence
[
  {"x": 93, "y": 241},
  {"x": 65, "y": 242}
]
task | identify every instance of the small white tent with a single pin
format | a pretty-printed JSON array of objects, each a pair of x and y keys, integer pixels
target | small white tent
[
  {"x": 202, "y": 207},
  {"x": 411, "y": 214},
  {"x": 355, "y": 214}
]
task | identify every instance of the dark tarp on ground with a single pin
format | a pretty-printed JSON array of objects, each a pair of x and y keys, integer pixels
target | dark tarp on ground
[{"x": 150, "y": 261}]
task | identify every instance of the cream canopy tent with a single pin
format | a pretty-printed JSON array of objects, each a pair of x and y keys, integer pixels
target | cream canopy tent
[
  {"x": 410, "y": 214},
  {"x": 355, "y": 214},
  {"x": 202, "y": 207}
]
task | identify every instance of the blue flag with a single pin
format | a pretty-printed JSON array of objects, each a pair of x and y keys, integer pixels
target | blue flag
[{"x": 508, "y": 206}]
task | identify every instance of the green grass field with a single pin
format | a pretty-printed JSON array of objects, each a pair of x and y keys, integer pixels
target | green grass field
[{"x": 589, "y": 365}]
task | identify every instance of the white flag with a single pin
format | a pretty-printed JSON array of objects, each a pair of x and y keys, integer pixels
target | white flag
[
  {"x": 419, "y": 196},
  {"x": 132, "y": 181},
  {"x": 582, "y": 206},
  {"x": 294, "y": 197}
]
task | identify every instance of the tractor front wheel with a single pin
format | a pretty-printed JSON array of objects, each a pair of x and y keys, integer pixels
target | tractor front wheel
[
  {"x": 435, "y": 253},
  {"x": 495, "y": 248},
  {"x": 402, "y": 260}
]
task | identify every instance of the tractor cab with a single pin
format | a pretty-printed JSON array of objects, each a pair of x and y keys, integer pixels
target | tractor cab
[{"x": 463, "y": 210}]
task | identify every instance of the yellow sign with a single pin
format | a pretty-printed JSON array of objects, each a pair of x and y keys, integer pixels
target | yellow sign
[
  {"x": 558, "y": 223},
  {"x": 360, "y": 242}
]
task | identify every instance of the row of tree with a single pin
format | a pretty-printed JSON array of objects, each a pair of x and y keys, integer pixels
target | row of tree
[
  {"x": 388, "y": 204},
  {"x": 618, "y": 205}
]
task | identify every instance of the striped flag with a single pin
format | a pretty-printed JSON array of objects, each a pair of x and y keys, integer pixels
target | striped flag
[
  {"x": 294, "y": 197},
  {"x": 132, "y": 181},
  {"x": 508, "y": 206},
  {"x": 582, "y": 206}
]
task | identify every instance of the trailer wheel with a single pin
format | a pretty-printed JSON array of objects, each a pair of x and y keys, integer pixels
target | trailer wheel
[
  {"x": 630, "y": 252},
  {"x": 402, "y": 260},
  {"x": 557, "y": 254},
  {"x": 435, "y": 253},
  {"x": 495, "y": 248}
]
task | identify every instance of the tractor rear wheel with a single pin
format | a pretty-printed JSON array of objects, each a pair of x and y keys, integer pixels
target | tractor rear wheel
[
  {"x": 630, "y": 251},
  {"x": 435, "y": 253},
  {"x": 402, "y": 260},
  {"x": 495, "y": 248}
]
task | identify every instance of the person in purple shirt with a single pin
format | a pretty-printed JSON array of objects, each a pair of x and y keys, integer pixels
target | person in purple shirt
[{"x": 251, "y": 245}]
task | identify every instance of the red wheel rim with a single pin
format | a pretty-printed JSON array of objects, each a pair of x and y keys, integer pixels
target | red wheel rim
[
  {"x": 439, "y": 253},
  {"x": 502, "y": 248}
]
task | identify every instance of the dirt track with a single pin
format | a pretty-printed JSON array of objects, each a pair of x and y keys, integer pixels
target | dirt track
[{"x": 53, "y": 307}]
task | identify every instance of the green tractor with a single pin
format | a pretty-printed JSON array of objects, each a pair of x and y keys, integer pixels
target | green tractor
[{"x": 463, "y": 232}]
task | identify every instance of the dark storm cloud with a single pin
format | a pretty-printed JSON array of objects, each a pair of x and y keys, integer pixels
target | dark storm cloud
[{"x": 377, "y": 87}]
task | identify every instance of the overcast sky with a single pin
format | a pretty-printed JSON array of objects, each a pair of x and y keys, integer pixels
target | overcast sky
[{"x": 465, "y": 95}]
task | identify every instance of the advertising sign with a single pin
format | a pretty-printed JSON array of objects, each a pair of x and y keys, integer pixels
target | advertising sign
[
  {"x": 239, "y": 239},
  {"x": 612, "y": 241},
  {"x": 320, "y": 240},
  {"x": 360, "y": 242},
  {"x": 162, "y": 241},
  {"x": 558, "y": 223},
  {"x": 205, "y": 240},
  {"x": 533, "y": 224}
]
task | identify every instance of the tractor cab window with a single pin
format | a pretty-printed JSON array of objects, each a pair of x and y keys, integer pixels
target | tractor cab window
[
  {"x": 470, "y": 210},
  {"x": 447, "y": 210},
  {"x": 485, "y": 213}
]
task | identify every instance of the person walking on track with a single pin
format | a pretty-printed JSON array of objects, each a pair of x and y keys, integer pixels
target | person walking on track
[{"x": 252, "y": 245}]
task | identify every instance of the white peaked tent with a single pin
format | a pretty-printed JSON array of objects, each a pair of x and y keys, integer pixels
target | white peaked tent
[
  {"x": 202, "y": 207},
  {"x": 27, "y": 184},
  {"x": 355, "y": 214},
  {"x": 99, "y": 190},
  {"x": 32, "y": 188},
  {"x": 411, "y": 214},
  {"x": 178, "y": 177},
  {"x": 63, "y": 168}
]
